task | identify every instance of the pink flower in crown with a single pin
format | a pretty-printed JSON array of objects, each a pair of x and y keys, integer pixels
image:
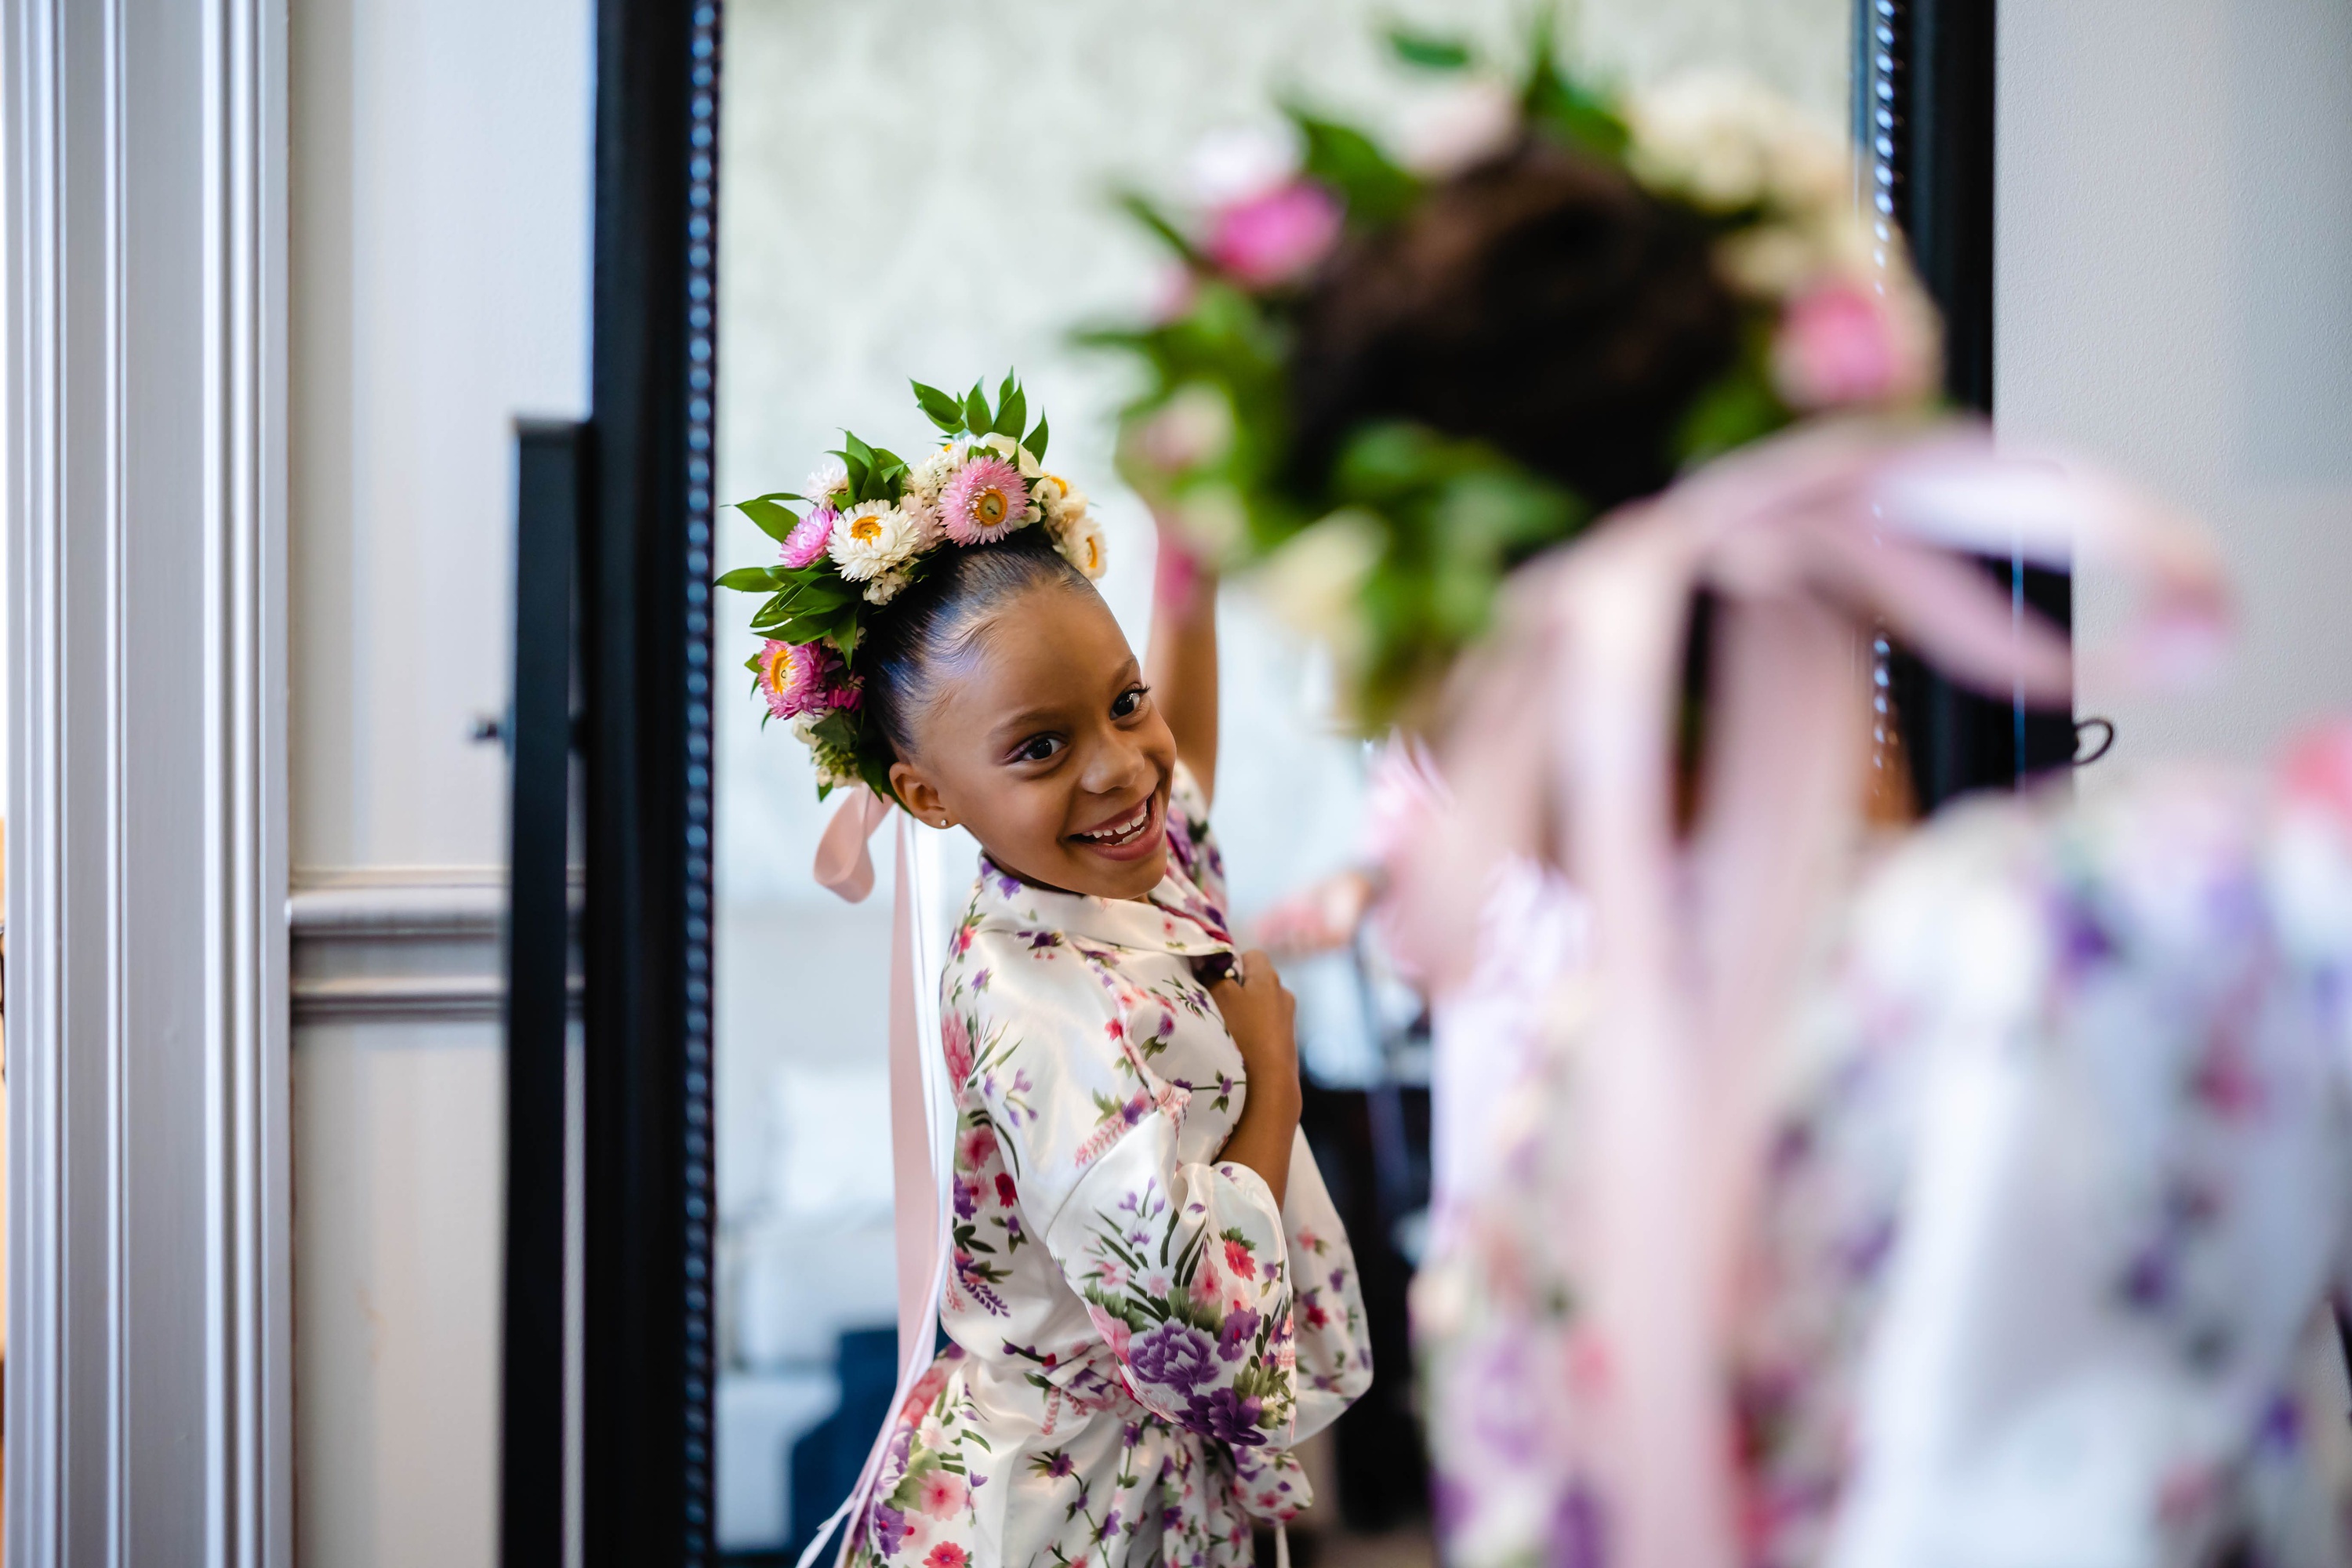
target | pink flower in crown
[
  {"x": 804, "y": 678},
  {"x": 1274, "y": 236},
  {"x": 957, "y": 1038},
  {"x": 805, "y": 545},
  {"x": 1842, "y": 343},
  {"x": 987, "y": 500}
]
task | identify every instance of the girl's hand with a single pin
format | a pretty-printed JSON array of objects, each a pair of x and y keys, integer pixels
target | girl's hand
[{"x": 1261, "y": 1015}]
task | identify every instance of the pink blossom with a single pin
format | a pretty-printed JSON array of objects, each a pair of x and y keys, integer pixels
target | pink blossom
[
  {"x": 956, "y": 1037},
  {"x": 805, "y": 545},
  {"x": 1273, "y": 237},
  {"x": 1114, "y": 1331},
  {"x": 942, "y": 1494},
  {"x": 1238, "y": 1259},
  {"x": 987, "y": 500},
  {"x": 978, "y": 1145},
  {"x": 804, "y": 678},
  {"x": 1841, "y": 344}
]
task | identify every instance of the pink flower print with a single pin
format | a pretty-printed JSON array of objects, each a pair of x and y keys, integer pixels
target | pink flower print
[
  {"x": 1114, "y": 1331},
  {"x": 1158, "y": 1286},
  {"x": 1116, "y": 1029},
  {"x": 1316, "y": 1317},
  {"x": 977, "y": 1146},
  {"x": 1841, "y": 344},
  {"x": 962, "y": 941},
  {"x": 807, "y": 542},
  {"x": 941, "y": 1496},
  {"x": 1112, "y": 1274},
  {"x": 947, "y": 1554},
  {"x": 2227, "y": 1084},
  {"x": 956, "y": 1035},
  {"x": 1006, "y": 1194},
  {"x": 1208, "y": 1287},
  {"x": 1274, "y": 236},
  {"x": 1239, "y": 1261}
]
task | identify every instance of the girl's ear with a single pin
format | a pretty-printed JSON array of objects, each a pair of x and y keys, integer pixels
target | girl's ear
[{"x": 919, "y": 795}]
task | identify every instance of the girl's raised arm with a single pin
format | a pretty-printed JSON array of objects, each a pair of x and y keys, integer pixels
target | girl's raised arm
[{"x": 1181, "y": 661}]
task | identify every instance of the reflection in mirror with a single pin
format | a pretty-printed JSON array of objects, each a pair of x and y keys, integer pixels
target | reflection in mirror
[{"x": 916, "y": 190}]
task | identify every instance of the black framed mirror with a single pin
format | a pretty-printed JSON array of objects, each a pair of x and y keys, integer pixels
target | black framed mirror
[{"x": 671, "y": 1379}]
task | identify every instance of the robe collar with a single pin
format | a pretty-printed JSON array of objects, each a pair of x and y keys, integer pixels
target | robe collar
[{"x": 1175, "y": 917}]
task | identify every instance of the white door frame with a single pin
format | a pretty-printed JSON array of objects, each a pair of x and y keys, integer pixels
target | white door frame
[{"x": 143, "y": 158}]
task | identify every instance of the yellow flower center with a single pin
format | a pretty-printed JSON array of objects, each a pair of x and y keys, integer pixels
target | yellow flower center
[
  {"x": 1060, "y": 486},
  {"x": 1094, "y": 554},
  {"x": 990, "y": 507},
  {"x": 866, "y": 530}
]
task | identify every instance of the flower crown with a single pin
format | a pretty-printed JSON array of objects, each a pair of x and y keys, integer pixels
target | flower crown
[
  {"x": 1396, "y": 558},
  {"x": 873, "y": 526}
]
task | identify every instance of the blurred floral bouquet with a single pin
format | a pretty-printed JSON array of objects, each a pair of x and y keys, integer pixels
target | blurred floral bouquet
[{"x": 1393, "y": 556}]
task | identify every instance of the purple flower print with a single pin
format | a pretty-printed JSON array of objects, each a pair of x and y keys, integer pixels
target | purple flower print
[
  {"x": 889, "y": 1529},
  {"x": 1225, "y": 1415},
  {"x": 1580, "y": 1535},
  {"x": 967, "y": 1197},
  {"x": 1173, "y": 1356},
  {"x": 1234, "y": 1337}
]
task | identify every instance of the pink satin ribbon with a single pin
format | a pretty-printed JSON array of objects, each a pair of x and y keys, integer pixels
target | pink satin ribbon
[
  {"x": 845, "y": 865},
  {"x": 1561, "y": 747}
]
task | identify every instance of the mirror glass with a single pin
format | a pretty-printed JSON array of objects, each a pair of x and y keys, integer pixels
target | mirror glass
[{"x": 911, "y": 188}]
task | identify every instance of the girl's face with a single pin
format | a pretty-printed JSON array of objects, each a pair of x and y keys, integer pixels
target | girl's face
[{"x": 1044, "y": 742}]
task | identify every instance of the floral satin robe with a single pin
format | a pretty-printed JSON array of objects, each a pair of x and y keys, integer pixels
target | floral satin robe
[
  {"x": 1139, "y": 1333},
  {"x": 2059, "y": 1184}
]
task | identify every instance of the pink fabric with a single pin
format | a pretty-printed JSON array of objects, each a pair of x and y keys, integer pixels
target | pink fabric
[
  {"x": 1563, "y": 750},
  {"x": 843, "y": 865}
]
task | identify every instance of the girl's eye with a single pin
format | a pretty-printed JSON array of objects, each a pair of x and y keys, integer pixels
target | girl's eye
[
  {"x": 1130, "y": 702},
  {"x": 1039, "y": 748}
]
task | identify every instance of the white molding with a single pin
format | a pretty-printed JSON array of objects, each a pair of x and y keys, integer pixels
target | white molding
[
  {"x": 381, "y": 946},
  {"x": 145, "y": 374}
]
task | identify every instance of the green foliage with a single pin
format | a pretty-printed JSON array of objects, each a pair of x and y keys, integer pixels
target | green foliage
[
  {"x": 774, "y": 518},
  {"x": 1376, "y": 189},
  {"x": 1428, "y": 51}
]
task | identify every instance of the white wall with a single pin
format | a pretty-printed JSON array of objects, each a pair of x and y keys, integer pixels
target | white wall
[
  {"x": 440, "y": 211},
  {"x": 2175, "y": 294}
]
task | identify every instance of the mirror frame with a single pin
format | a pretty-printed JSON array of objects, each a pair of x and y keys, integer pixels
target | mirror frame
[{"x": 643, "y": 638}]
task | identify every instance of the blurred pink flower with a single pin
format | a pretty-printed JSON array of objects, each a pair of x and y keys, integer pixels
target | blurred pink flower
[
  {"x": 1841, "y": 344},
  {"x": 807, "y": 542},
  {"x": 1273, "y": 237}
]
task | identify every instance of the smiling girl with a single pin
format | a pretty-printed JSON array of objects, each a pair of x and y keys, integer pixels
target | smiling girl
[{"x": 1151, "y": 1298}]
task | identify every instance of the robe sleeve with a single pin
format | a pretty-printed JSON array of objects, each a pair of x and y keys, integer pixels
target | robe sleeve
[{"x": 1183, "y": 1266}]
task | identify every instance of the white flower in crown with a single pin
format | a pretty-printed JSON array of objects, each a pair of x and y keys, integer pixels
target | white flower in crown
[
  {"x": 1723, "y": 140},
  {"x": 886, "y": 587},
  {"x": 1079, "y": 539},
  {"x": 871, "y": 538},
  {"x": 928, "y": 478},
  {"x": 827, "y": 478},
  {"x": 1056, "y": 495}
]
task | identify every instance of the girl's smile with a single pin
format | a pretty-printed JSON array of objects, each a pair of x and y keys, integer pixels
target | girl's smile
[{"x": 1131, "y": 837}]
